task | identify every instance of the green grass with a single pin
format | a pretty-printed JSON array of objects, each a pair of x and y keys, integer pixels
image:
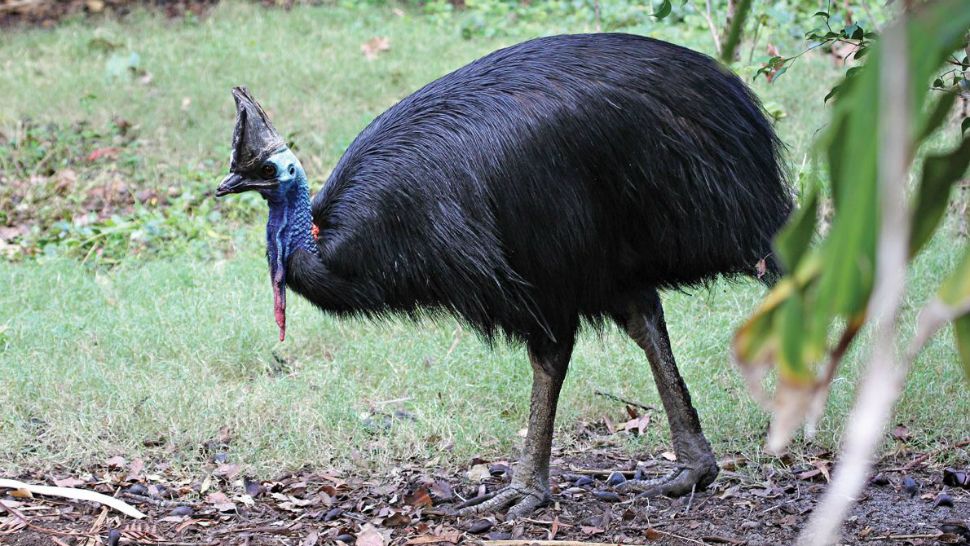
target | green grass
[{"x": 95, "y": 360}]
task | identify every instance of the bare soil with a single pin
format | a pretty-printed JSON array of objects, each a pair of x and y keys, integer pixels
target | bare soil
[{"x": 751, "y": 503}]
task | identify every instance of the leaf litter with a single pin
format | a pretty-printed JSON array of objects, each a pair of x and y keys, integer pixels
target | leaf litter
[{"x": 753, "y": 502}]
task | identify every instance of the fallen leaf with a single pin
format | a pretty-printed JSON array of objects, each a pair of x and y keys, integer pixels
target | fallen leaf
[
  {"x": 370, "y": 536},
  {"x": 117, "y": 461},
  {"x": 419, "y": 498},
  {"x": 669, "y": 455},
  {"x": 451, "y": 536},
  {"x": 371, "y": 48},
  {"x": 135, "y": 470},
  {"x": 901, "y": 433},
  {"x": 68, "y": 482},
  {"x": 442, "y": 490},
  {"x": 109, "y": 153},
  {"x": 478, "y": 473},
  {"x": 220, "y": 502},
  {"x": 311, "y": 539},
  {"x": 227, "y": 471}
]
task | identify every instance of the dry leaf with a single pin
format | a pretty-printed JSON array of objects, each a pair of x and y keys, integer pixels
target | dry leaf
[
  {"x": 68, "y": 482},
  {"x": 478, "y": 473},
  {"x": 419, "y": 498},
  {"x": 220, "y": 501},
  {"x": 135, "y": 470},
  {"x": 227, "y": 471},
  {"x": 370, "y": 536},
  {"x": 371, "y": 48},
  {"x": 311, "y": 538}
]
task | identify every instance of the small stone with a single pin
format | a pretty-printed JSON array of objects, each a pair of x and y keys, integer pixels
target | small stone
[
  {"x": 333, "y": 514},
  {"x": 910, "y": 486},
  {"x": 137, "y": 489},
  {"x": 479, "y": 526},
  {"x": 182, "y": 511},
  {"x": 615, "y": 478},
  {"x": 880, "y": 480},
  {"x": 607, "y": 496},
  {"x": 748, "y": 524},
  {"x": 956, "y": 478},
  {"x": 583, "y": 481},
  {"x": 943, "y": 500}
]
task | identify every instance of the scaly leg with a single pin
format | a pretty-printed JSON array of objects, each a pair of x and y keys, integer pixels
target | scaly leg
[
  {"x": 530, "y": 484},
  {"x": 645, "y": 324}
]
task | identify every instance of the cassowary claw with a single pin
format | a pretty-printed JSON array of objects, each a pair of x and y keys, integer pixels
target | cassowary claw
[
  {"x": 522, "y": 499},
  {"x": 679, "y": 482}
]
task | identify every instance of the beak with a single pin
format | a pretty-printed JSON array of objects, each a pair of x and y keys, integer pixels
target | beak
[{"x": 236, "y": 183}]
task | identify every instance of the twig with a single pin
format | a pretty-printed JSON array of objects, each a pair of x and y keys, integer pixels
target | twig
[
  {"x": 710, "y": 25},
  {"x": 76, "y": 494},
  {"x": 161, "y": 503},
  {"x": 679, "y": 537},
  {"x": 616, "y": 398},
  {"x": 921, "y": 458},
  {"x": 455, "y": 341},
  {"x": 542, "y": 522},
  {"x": 527, "y": 542},
  {"x": 600, "y": 471},
  {"x": 134, "y": 542},
  {"x": 903, "y": 537}
]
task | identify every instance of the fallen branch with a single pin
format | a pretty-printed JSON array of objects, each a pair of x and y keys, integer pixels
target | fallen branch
[
  {"x": 159, "y": 503},
  {"x": 599, "y": 471},
  {"x": 526, "y": 542},
  {"x": 616, "y": 398},
  {"x": 75, "y": 494},
  {"x": 904, "y": 537}
]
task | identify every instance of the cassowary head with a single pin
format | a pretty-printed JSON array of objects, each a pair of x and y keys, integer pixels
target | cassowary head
[{"x": 261, "y": 161}]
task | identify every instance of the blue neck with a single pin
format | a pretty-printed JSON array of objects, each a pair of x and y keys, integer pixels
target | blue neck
[{"x": 290, "y": 225}]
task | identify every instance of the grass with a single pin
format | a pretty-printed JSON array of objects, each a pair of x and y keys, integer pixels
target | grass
[{"x": 96, "y": 360}]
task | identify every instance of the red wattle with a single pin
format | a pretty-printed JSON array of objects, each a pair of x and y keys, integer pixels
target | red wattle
[{"x": 279, "y": 308}]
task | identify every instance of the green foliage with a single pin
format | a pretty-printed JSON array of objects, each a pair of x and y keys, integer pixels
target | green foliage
[
  {"x": 831, "y": 283},
  {"x": 80, "y": 191}
]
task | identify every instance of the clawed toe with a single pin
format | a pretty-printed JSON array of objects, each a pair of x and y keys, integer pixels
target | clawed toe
[
  {"x": 521, "y": 500},
  {"x": 681, "y": 481}
]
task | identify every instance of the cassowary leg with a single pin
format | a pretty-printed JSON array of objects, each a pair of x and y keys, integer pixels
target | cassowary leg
[
  {"x": 530, "y": 484},
  {"x": 698, "y": 468}
]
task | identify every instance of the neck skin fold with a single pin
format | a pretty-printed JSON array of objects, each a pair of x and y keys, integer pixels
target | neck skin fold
[{"x": 289, "y": 227}]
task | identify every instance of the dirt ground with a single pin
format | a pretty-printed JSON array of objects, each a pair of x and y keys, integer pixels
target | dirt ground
[{"x": 906, "y": 502}]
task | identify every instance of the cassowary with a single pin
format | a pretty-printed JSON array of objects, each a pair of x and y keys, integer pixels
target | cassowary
[{"x": 561, "y": 179}]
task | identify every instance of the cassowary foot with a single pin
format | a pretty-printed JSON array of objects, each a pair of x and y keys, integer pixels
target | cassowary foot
[
  {"x": 683, "y": 480},
  {"x": 522, "y": 499}
]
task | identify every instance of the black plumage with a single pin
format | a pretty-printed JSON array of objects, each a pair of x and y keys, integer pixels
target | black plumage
[
  {"x": 546, "y": 182},
  {"x": 561, "y": 179}
]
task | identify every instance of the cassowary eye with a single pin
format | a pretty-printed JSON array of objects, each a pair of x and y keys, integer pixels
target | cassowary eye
[
  {"x": 268, "y": 170},
  {"x": 292, "y": 170}
]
